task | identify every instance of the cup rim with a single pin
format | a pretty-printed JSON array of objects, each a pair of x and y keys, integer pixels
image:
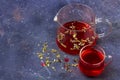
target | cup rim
[
  {"x": 76, "y": 20},
  {"x": 104, "y": 55}
]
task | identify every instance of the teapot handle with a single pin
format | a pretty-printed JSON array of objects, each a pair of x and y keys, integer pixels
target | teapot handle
[
  {"x": 103, "y": 27},
  {"x": 109, "y": 57}
]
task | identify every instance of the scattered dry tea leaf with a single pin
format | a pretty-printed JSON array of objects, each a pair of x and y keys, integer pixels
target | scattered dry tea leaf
[
  {"x": 53, "y": 50},
  {"x": 76, "y": 60},
  {"x": 45, "y": 45},
  {"x": 69, "y": 70},
  {"x": 58, "y": 55},
  {"x": 59, "y": 60},
  {"x": 67, "y": 66},
  {"x": 47, "y": 58},
  {"x": 47, "y": 62},
  {"x": 74, "y": 65},
  {"x": 40, "y": 55}
]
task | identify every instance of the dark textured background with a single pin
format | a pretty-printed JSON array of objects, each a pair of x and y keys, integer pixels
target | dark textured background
[{"x": 26, "y": 23}]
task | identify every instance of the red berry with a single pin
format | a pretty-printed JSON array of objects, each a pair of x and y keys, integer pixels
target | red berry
[
  {"x": 43, "y": 64},
  {"x": 66, "y": 59}
]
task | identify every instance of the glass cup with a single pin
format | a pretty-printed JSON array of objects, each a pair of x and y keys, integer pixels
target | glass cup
[
  {"x": 93, "y": 60},
  {"x": 78, "y": 27}
]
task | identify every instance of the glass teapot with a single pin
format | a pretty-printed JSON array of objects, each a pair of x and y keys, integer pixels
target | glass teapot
[{"x": 78, "y": 26}]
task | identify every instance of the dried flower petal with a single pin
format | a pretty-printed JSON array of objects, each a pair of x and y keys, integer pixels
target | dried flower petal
[
  {"x": 76, "y": 60},
  {"x": 58, "y": 55},
  {"x": 67, "y": 67},
  {"x": 69, "y": 70},
  {"x": 47, "y": 62},
  {"x": 59, "y": 58},
  {"x": 47, "y": 58},
  {"x": 40, "y": 55},
  {"x": 53, "y": 50},
  {"x": 74, "y": 65},
  {"x": 44, "y": 49}
]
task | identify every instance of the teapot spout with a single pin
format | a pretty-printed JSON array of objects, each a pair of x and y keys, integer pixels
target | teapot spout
[{"x": 55, "y": 18}]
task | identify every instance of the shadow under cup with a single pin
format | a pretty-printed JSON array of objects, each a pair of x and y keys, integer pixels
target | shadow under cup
[{"x": 92, "y": 60}]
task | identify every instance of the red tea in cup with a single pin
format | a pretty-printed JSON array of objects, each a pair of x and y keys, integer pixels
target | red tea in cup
[{"x": 92, "y": 60}]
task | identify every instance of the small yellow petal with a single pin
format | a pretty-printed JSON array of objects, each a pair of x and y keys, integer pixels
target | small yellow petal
[
  {"x": 58, "y": 55},
  {"x": 44, "y": 49},
  {"x": 53, "y": 50}
]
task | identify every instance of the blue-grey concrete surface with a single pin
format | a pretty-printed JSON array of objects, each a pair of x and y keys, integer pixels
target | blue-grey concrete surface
[{"x": 26, "y": 23}]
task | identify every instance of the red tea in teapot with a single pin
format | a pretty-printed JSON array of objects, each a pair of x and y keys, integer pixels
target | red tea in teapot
[{"x": 72, "y": 36}]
